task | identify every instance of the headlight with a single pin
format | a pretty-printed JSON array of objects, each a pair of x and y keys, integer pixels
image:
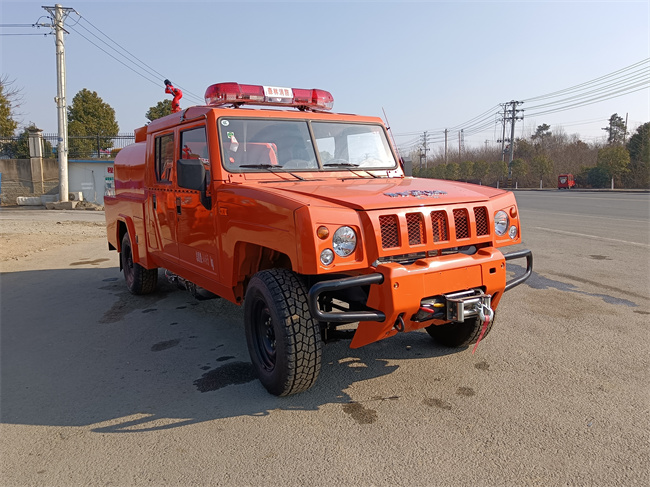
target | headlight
[
  {"x": 513, "y": 232},
  {"x": 501, "y": 222},
  {"x": 326, "y": 256},
  {"x": 344, "y": 241}
]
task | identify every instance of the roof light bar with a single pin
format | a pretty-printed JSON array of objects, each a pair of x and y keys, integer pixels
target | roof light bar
[{"x": 236, "y": 94}]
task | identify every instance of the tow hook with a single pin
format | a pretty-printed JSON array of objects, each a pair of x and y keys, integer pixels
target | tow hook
[
  {"x": 399, "y": 324},
  {"x": 485, "y": 314}
]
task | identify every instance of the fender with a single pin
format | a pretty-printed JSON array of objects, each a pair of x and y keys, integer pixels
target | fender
[{"x": 137, "y": 236}]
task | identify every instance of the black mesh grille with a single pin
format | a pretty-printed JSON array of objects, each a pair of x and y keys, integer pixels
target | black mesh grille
[
  {"x": 389, "y": 231},
  {"x": 415, "y": 226},
  {"x": 482, "y": 225},
  {"x": 439, "y": 226},
  {"x": 461, "y": 221}
]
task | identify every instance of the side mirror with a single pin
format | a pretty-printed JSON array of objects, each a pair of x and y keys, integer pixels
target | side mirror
[{"x": 190, "y": 174}]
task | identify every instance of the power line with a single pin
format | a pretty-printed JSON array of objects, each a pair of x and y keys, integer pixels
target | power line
[{"x": 133, "y": 59}]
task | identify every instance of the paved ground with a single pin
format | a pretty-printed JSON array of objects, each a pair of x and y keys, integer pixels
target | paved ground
[{"x": 99, "y": 387}]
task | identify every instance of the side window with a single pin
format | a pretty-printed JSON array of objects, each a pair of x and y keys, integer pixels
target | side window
[
  {"x": 194, "y": 145},
  {"x": 164, "y": 157}
]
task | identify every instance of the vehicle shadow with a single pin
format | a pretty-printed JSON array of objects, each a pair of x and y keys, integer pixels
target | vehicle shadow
[{"x": 79, "y": 350}]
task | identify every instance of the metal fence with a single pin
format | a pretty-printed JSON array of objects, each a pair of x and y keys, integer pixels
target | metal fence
[{"x": 79, "y": 147}]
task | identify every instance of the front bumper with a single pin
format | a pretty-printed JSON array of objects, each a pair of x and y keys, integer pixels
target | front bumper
[{"x": 396, "y": 291}]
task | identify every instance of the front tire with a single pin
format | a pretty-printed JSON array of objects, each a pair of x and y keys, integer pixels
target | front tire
[
  {"x": 283, "y": 339},
  {"x": 457, "y": 335},
  {"x": 138, "y": 279}
]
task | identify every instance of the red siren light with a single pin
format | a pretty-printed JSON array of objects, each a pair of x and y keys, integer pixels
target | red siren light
[{"x": 237, "y": 94}]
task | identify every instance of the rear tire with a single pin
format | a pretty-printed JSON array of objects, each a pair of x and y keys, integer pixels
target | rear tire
[
  {"x": 283, "y": 339},
  {"x": 138, "y": 279},
  {"x": 457, "y": 335}
]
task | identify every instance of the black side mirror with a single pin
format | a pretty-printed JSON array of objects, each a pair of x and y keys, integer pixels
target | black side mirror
[{"x": 191, "y": 174}]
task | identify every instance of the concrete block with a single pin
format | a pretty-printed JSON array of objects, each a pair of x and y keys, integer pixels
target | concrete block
[{"x": 62, "y": 205}]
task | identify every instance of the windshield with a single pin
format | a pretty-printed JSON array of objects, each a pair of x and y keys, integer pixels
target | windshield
[{"x": 258, "y": 145}]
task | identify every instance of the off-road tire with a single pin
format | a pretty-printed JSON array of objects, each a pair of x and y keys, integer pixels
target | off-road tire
[
  {"x": 283, "y": 339},
  {"x": 138, "y": 279},
  {"x": 457, "y": 335}
]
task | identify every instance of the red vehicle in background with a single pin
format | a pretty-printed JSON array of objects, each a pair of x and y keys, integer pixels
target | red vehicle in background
[{"x": 565, "y": 181}]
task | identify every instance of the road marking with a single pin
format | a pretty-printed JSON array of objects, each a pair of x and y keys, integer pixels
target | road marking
[
  {"x": 596, "y": 237},
  {"x": 616, "y": 218}
]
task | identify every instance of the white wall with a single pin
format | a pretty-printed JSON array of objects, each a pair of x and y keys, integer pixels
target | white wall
[{"x": 92, "y": 178}]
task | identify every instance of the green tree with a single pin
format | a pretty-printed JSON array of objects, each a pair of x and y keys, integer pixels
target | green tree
[
  {"x": 541, "y": 166},
  {"x": 597, "y": 177},
  {"x": 439, "y": 171},
  {"x": 481, "y": 170},
  {"x": 519, "y": 169},
  {"x": 617, "y": 131},
  {"x": 89, "y": 116},
  {"x": 639, "y": 149},
  {"x": 615, "y": 160},
  {"x": 452, "y": 171},
  {"x": 466, "y": 170},
  {"x": 541, "y": 133},
  {"x": 161, "y": 109},
  {"x": 9, "y": 98},
  {"x": 498, "y": 170}
]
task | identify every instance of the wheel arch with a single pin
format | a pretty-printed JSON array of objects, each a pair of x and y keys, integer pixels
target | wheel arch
[{"x": 250, "y": 258}]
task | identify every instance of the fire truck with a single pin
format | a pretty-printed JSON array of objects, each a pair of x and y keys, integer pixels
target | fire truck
[{"x": 265, "y": 197}]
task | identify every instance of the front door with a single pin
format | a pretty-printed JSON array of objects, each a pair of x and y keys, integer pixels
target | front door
[{"x": 196, "y": 232}]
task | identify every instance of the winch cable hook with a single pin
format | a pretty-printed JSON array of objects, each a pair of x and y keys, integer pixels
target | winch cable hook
[{"x": 485, "y": 314}]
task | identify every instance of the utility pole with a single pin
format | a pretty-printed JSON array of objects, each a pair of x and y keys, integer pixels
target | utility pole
[
  {"x": 446, "y": 131},
  {"x": 59, "y": 14},
  {"x": 425, "y": 149},
  {"x": 503, "y": 134},
  {"x": 511, "y": 116}
]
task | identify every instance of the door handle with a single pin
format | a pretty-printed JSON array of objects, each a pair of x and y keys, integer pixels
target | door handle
[
  {"x": 154, "y": 201},
  {"x": 178, "y": 206}
]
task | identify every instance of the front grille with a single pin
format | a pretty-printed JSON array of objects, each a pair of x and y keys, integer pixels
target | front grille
[
  {"x": 408, "y": 231},
  {"x": 389, "y": 231},
  {"x": 461, "y": 220},
  {"x": 482, "y": 225},
  {"x": 415, "y": 226},
  {"x": 439, "y": 226}
]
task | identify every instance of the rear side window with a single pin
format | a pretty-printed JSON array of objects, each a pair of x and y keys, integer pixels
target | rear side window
[{"x": 164, "y": 157}]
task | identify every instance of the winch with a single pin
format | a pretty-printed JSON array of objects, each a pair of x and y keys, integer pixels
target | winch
[{"x": 457, "y": 306}]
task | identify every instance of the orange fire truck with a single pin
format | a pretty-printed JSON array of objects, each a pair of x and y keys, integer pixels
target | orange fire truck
[{"x": 266, "y": 198}]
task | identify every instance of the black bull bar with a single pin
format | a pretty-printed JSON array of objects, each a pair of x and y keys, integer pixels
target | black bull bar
[{"x": 377, "y": 278}]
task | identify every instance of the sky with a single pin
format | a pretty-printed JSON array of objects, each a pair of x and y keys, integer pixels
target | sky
[{"x": 423, "y": 65}]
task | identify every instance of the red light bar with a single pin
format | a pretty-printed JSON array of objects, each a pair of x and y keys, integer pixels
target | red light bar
[{"x": 236, "y": 94}]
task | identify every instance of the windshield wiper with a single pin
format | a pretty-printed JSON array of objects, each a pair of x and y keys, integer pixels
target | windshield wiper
[
  {"x": 350, "y": 167},
  {"x": 340, "y": 164},
  {"x": 271, "y": 168}
]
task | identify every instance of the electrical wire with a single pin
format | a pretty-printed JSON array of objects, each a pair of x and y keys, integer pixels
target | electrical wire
[{"x": 133, "y": 59}]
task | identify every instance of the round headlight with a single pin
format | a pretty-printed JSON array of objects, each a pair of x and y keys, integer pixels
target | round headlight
[
  {"x": 326, "y": 256},
  {"x": 501, "y": 222},
  {"x": 513, "y": 232},
  {"x": 344, "y": 241}
]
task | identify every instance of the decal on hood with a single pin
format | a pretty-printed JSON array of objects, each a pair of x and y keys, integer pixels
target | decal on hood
[{"x": 417, "y": 194}]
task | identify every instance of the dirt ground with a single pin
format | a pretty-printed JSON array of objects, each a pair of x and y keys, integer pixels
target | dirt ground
[{"x": 21, "y": 237}]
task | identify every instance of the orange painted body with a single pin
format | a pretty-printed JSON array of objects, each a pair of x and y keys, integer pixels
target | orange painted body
[{"x": 257, "y": 219}]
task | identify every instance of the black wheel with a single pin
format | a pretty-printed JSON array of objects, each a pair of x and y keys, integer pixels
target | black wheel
[
  {"x": 458, "y": 334},
  {"x": 138, "y": 279},
  {"x": 283, "y": 339}
]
